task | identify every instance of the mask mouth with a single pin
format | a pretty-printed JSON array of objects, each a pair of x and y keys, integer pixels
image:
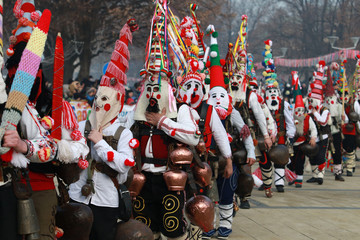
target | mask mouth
[
  {"x": 194, "y": 99},
  {"x": 153, "y": 106},
  {"x": 274, "y": 103},
  {"x": 234, "y": 88},
  {"x": 98, "y": 108}
]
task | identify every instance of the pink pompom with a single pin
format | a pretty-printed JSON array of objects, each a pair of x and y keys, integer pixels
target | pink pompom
[
  {"x": 76, "y": 135},
  {"x": 19, "y": 14},
  {"x": 110, "y": 156},
  {"x": 134, "y": 143},
  {"x": 23, "y": 21},
  {"x": 12, "y": 39},
  {"x": 129, "y": 163},
  {"x": 83, "y": 164},
  {"x": 35, "y": 16}
]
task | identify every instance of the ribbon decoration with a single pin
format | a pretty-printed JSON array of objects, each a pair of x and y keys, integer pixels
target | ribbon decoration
[
  {"x": 58, "y": 87},
  {"x": 309, "y": 62},
  {"x": 25, "y": 77}
]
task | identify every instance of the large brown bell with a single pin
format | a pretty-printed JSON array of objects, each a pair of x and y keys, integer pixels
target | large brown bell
[
  {"x": 245, "y": 184},
  {"x": 201, "y": 147},
  {"x": 200, "y": 211},
  {"x": 69, "y": 172},
  {"x": 309, "y": 150},
  {"x": 133, "y": 230},
  {"x": 279, "y": 154},
  {"x": 181, "y": 155},
  {"x": 261, "y": 143},
  {"x": 175, "y": 180},
  {"x": 129, "y": 178},
  {"x": 354, "y": 117},
  {"x": 240, "y": 157},
  {"x": 137, "y": 184},
  {"x": 202, "y": 175},
  {"x": 75, "y": 220}
]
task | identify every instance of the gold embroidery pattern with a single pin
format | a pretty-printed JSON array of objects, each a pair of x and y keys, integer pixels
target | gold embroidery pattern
[{"x": 171, "y": 204}]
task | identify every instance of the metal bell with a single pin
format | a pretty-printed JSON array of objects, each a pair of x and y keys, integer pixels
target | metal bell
[{"x": 28, "y": 223}]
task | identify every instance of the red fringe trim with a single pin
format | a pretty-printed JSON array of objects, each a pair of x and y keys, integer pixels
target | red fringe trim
[{"x": 125, "y": 31}]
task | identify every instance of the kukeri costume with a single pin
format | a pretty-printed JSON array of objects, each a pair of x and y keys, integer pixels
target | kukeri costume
[
  {"x": 305, "y": 131},
  {"x": 160, "y": 203},
  {"x": 332, "y": 103},
  {"x": 100, "y": 184},
  {"x": 322, "y": 119}
]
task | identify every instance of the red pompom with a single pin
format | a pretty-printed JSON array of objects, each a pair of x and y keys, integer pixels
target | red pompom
[
  {"x": 10, "y": 52},
  {"x": 173, "y": 132},
  {"x": 76, "y": 135},
  {"x": 230, "y": 137},
  {"x": 345, "y": 61},
  {"x": 110, "y": 156},
  {"x": 7, "y": 156},
  {"x": 134, "y": 143},
  {"x": 208, "y": 63},
  {"x": 222, "y": 62},
  {"x": 83, "y": 164},
  {"x": 129, "y": 163},
  {"x": 59, "y": 232}
]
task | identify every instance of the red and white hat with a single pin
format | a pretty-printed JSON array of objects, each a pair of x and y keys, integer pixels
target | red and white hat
[{"x": 317, "y": 86}]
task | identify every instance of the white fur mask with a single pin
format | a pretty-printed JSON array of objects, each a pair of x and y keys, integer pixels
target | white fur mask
[
  {"x": 191, "y": 92},
  {"x": 219, "y": 98},
  {"x": 154, "y": 98},
  {"x": 272, "y": 98},
  {"x": 238, "y": 87}
]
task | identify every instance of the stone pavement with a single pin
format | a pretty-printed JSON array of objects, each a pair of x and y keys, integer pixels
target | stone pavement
[{"x": 328, "y": 211}]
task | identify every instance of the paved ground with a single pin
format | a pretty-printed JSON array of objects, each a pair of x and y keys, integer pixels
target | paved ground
[{"x": 329, "y": 211}]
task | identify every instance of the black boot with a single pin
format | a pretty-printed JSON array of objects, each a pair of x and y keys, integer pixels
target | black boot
[
  {"x": 245, "y": 204},
  {"x": 312, "y": 180},
  {"x": 320, "y": 181},
  {"x": 280, "y": 188},
  {"x": 338, "y": 177}
]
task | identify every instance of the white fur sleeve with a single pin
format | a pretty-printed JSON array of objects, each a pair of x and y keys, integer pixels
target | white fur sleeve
[
  {"x": 239, "y": 123},
  {"x": 323, "y": 118},
  {"x": 258, "y": 112},
  {"x": 116, "y": 159},
  {"x": 220, "y": 135},
  {"x": 289, "y": 120},
  {"x": 270, "y": 122},
  {"x": 184, "y": 129}
]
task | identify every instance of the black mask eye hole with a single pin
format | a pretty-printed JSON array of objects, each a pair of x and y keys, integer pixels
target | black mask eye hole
[
  {"x": 149, "y": 89},
  {"x": 156, "y": 89},
  {"x": 104, "y": 98},
  {"x": 188, "y": 86}
]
